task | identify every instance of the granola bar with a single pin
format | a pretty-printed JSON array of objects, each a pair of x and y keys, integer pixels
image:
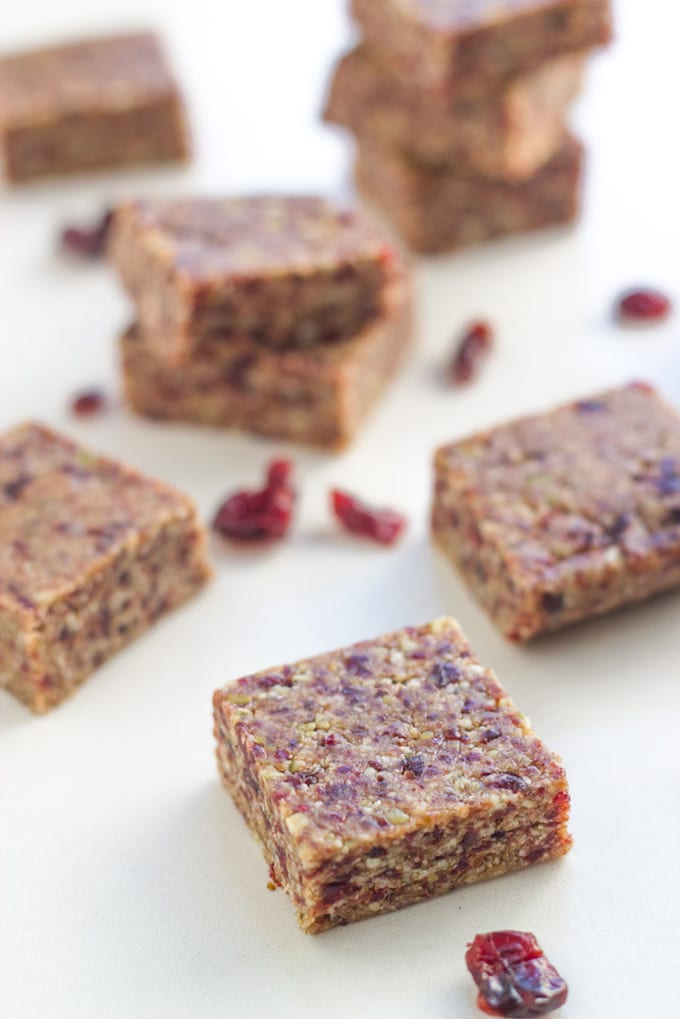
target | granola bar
[
  {"x": 91, "y": 553},
  {"x": 443, "y": 208},
  {"x": 386, "y": 773},
  {"x": 319, "y": 396},
  {"x": 509, "y": 132},
  {"x": 561, "y": 516},
  {"x": 460, "y": 47},
  {"x": 89, "y": 105},
  {"x": 277, "y": 271}
]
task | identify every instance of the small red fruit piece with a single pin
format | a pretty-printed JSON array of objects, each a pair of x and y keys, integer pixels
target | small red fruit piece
[
  {"x": 642, "y": 387},
  {"x": 88, "y": 403},
  {"x": 643, "y": 305},
  {"x": 254, "y": 515},
  {"x": 488, "y": 952},
  {"x": 471, "y": 351},
  {"x": 387, "y": 256},
  {"x": 279, "y": 474},
  {"x": 88, "y": 242},
  {"x": 382, "y": 525},
  {"x": 513, "y": 975}
]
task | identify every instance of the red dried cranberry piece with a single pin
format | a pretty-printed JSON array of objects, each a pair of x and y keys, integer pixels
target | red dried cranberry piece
[
  {"x": 382, "y": 525},
  {"x": 359, "y": 664},
  {"x": 642, "y": 387},
  {"x": 643, "y": 305},
  {"x": 387, "y": 255},
  {"x": 552, "y": 601},
  {"x": 88, "y": 403},
  {"x": 497, "y": 949},
  {"x": 13, "y": 489},
  {"x": 445, "y": 673},
  {"x": 280, "y": 474},
  {"x": 562, "y": 804},
  {"x": 489, "y": 735},
  {"x": 507, "y": 780},
  {"x": 88, "y": 242},
  {"x": 268, "y": 513},
  {"x": 413, "y": 766},
  {"x": 513, "y": 975},
  {"x": 590, "y": 406},
  {"x": 668, "y": 482},
  {"x": 472, "y": 349}
]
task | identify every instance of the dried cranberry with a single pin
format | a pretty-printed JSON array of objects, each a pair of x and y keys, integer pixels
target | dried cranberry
[
  {"x": 643, "y": 305},
  {"x": 360, "y": 665},
  {"x": 13, "y": 489},
  {"x": 474, "y": 346},
  {"x": 249, "y": 515},
  {"x": 387, "y": 255},
  {"x": 88, "y": 242},
  {"x": 280, "y": 474},
  {"x": 619, "y": 526},
  {"x": 561, "y": 803},
  {"x": 642, "y": 387},
  {"x": 456, "y": 734},
  {"x": 414, "y": 766},
  {"x": 500, "y": 948},
  {"x": 88, "y": 403},
  {"x": 590, "y": 406},
  {"x": 668, "y": 482},
  {"x": 513, "y": 975},
  {"x": 489, "y": 735},
  {"x": 445, "y": 673},
  {"x": 552, "y": 601},
  {"x": 507, "y": 780},
  {"x": 382, "y": 525}
]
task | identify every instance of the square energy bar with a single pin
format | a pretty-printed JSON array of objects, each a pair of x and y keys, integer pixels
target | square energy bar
[
  {"x": 89, "y": 105},
  {"x": 91, "y": 553},
  {"x": 443, "y": 208},
  {"x": 276, "y": 271},
  {"x": 509, "y": 132},
  {"x": 558, "y": 517},
  {"x": 319, "y": 396},
  {"x": 459, "y": 46},
  {"x": 386, "y": 773}
]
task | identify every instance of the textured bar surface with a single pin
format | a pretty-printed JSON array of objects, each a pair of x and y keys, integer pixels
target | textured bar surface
[
  {"x": 91, "y": 553},
  {"x": 509, "y": 132},
  {"x": 89, "y": 105},
  {"x": 386, "y": 773},
  {"x": 459, "y": 48},
  {"x": 278, "y": 271},
  {"x": 561, "y": 516},
  {"x": 441, "y": 208},
  {"x": 319, "y": 396}
]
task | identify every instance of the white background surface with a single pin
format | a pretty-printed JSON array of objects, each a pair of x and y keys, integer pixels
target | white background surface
[{"x": 129, "y": 886}]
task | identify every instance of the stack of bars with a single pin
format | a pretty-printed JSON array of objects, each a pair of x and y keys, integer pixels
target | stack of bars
[
  {"x": 281, "y": 316},
  {"x": 459, "y": 110}
]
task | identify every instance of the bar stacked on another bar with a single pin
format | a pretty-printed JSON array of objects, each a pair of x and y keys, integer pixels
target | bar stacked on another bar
[
  {"x": 459, "y": 111},
  {"x": 284, "y": 316},
  {"x": 386, "y": 773},
  {"x": 89, "y": 105}
]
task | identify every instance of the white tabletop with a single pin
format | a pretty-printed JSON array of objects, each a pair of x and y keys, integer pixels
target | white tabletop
[{"x": 129, "y": 885}]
